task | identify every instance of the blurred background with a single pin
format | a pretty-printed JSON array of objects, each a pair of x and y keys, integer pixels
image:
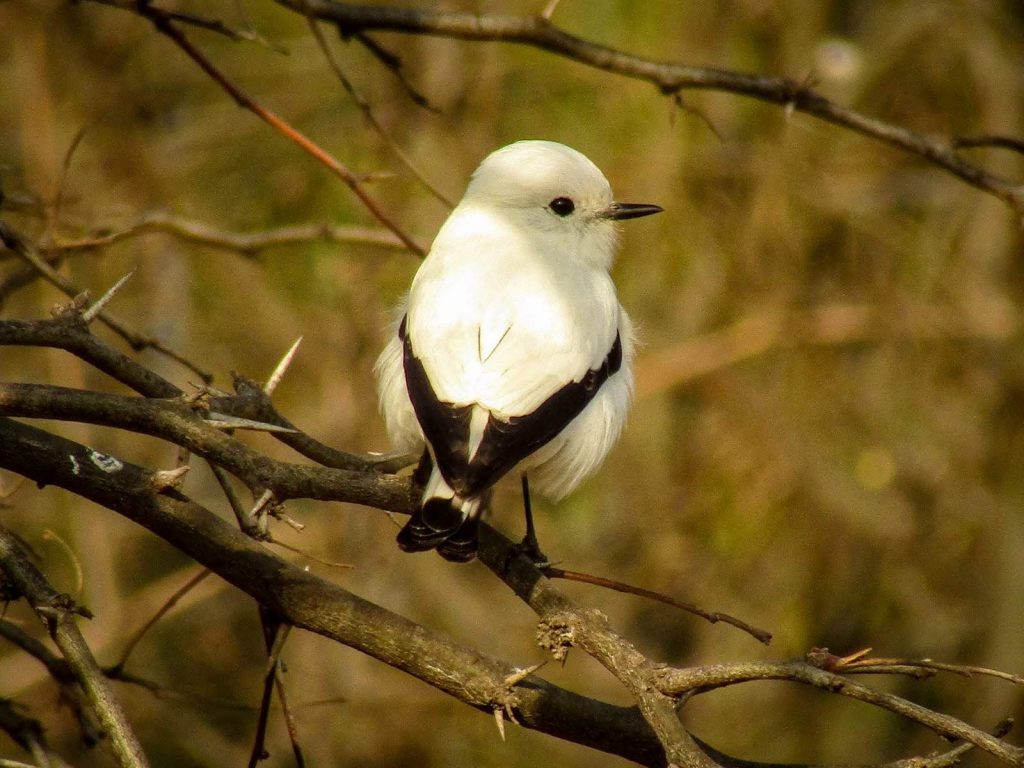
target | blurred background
[{"x": 827, "y": 440}]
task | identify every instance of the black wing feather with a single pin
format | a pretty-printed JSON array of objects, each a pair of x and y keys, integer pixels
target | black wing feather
[
  {"x": 504, "y": 443},
  {"x": 446, "y": 426}
]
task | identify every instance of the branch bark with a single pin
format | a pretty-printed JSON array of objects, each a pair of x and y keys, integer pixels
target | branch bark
[
  {"x": 58, "y": 613},
  {"x": 306, "y": 601}
]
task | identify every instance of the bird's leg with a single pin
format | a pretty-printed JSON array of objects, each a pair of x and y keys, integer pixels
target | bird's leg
[{"x": 529, "y": 546}]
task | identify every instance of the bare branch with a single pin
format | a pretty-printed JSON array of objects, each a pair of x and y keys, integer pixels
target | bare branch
[
  {"x": 682, "y": 681},
  {"x": 306, "y": 601},
  {"x": 58, "y": 612},
  {"x": 137, "y": 341},
  {"x": 564, "y": 625},
  {"x": 200, "y": 22},
  {"x": 668, "y": 77},
  {"x": 69, "y": 333},
  {"x": 371, "y": 118},
  {"x": 133, "y": 641},
  {"x": 164, "y": 23},
  {"x": 714, "y": 617},
  {"x": 178, "y": 423},
  {"x": 244, "y": 243},
  {"x": 1001, "y": 142}
]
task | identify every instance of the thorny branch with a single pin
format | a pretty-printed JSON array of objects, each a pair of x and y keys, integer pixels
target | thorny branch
[
  {"x": 304, "y": 600},
  {"x": 651, "y": 734},
  {"x": 19, "y": 245}
]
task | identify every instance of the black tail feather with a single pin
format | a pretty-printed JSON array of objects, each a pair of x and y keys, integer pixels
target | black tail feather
[
  {"x": 430, "y": 525},
  {"x": 440, "y": 525},
  {"x": 462, "y": 545}
]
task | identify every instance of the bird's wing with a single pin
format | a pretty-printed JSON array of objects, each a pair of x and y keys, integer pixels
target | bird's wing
[
  {"x": 475, "y": 443},
  {"x": 502, "y": 348}
]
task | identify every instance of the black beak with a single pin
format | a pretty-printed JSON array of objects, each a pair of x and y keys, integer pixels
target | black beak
[{"x": 620, "y": 211}]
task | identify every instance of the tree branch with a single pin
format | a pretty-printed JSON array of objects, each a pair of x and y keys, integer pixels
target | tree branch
[
  {"x": 668, "y": 77},
  {"x": 682, "y": 681},
  {"x": 165, "y": 24},
  {"x": 308, "y": 602},
  {"x": 245, "y": 243},
  {"x": 58, "y": 612},
  {"x": 178, "y": 423}
]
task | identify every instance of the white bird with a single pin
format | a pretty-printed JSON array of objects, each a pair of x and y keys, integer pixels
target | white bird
[{"x": 511, "y": 351}]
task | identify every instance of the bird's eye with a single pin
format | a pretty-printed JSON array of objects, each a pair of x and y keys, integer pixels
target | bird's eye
[{"x": 562, "y": 206}]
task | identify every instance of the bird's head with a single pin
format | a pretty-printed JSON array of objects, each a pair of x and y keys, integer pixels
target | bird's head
[{"x": 553, "y": 194}]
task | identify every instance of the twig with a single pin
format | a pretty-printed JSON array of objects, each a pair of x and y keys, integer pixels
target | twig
[
  {"x": 277, "y": 667},
  {"x": 872, "y": 665},
  {"x": 668, "y": 77},
  {"x": 564, "y": 625},
  {"x": 245, "y": 243},
  {"x": 276, "y": 634},
  {"x": 54, "y": 209},
  {"x": 371, "y": 118},
  {"x": 164, "y": 24},
  {"x": 677, "y": 682},
  {"x": 200, "y": 22},
  {"x": 133, "y": 641},
  {"x": 137, "y": 341},
  {"x": 1002, "y": 142},
  {"x": 58, "y": 613},
  {"x": 56, "y": 667},
  {"x": 713, "y": 617},
  {"x": 252, "y": 402},
  {"x": 393, "y": 64}
]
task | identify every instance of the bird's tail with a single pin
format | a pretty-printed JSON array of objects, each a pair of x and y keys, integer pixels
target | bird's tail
[{"x": 444, "y": 521}]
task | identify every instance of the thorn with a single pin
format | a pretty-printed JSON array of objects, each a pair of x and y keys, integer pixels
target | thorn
[
  {"x": 549, "y": 9},
  {"x": 308, "y": 556},
  {"x": 282, "y": 367},
  {"x": 499, "y": 720},
  {"x": 90, "y": 314},
  {"x": 225, "y": 421},
  {"x": 258, "y": 512},
  {"x": 521, "y": 674},
  {"x": 168, "y": 478},
  {"x": 295, "y": 524},
  {"x": 854, "y": 657}
]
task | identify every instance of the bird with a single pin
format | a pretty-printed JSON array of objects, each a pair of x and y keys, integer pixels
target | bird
[{"x": 511, "y": 352}]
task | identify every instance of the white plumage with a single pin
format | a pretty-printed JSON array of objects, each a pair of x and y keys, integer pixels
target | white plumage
[{"x": 511, "y": 342}]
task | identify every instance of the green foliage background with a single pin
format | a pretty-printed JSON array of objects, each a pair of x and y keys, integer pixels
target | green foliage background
[{"x": 846, "y": 482}]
